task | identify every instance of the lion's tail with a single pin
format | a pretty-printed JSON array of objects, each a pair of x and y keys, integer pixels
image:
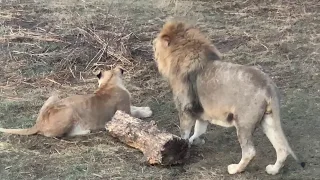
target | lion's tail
[
  {"x": 275, "y": 112},
  {"x": 28, "y": 131}
]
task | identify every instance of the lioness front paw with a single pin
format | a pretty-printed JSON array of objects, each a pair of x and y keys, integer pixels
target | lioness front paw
[
  {"x": 233, "y": 168},
  {"x": 145, "y": 112},
  {"x": 272, "y": 169}
]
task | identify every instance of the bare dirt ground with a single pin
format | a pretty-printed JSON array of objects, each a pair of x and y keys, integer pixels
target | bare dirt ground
[{"x": 55, "y": 45}]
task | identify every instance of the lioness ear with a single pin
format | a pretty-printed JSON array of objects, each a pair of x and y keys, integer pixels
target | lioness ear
[
  {"x": 166, "y": 40},
  {"x": 121, "y": 70},
  {"x": 99, "y": 74}
]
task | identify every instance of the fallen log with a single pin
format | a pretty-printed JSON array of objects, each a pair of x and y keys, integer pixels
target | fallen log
[{"x": 158, "y": 147}]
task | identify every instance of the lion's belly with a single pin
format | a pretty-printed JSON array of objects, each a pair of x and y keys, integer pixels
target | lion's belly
[
  {"x": 222, "y": 123},
  {"x": 217, "y": 117},
  {"x": 218, "y": 104}
]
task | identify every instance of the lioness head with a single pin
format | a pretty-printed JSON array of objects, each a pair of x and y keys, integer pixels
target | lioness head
[{"x": 113, "y": 76}]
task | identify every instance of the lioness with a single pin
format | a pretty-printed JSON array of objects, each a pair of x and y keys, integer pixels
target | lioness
[
  {"x": 81, "y": 114},
  {"x": 207, "y": 90}
]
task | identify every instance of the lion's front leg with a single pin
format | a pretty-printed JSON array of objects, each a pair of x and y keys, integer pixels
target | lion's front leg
[
  {"x": 186, "y": 123},
  {"x": 140, "y": 112},
  {"x": 199, "y": 129}
]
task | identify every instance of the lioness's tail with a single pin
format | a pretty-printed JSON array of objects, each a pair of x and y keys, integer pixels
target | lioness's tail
[
  {"x": 275, "y": 112},
  {"x": 28, "y": 131}
]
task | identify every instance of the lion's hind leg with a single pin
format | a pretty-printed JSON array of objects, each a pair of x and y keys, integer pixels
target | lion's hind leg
[
  {"x": 50, "y": 101},
  {"x": 275, "y": 134},
  {"x": 248, "y": 150},
  {"x": 245, "y": 124}
]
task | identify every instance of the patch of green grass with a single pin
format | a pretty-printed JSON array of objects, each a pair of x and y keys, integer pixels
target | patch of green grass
[{"x": 17, "y": 113}]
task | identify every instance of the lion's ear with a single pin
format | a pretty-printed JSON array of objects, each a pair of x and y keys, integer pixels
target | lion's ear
[
  {"x": 212, "y": 53},
  {"x": 165, "y": 40}
]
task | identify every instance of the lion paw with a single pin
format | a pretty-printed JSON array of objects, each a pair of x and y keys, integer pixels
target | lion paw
[
  {"x": 233, "y": 168},
  {"x": 272, "y": 169},
  {"x": 197, "y": 141}
]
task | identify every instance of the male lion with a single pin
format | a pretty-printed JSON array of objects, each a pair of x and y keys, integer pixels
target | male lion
[
  {"x": 81, "y": 114},
  {"x": 207, "y": 90}
]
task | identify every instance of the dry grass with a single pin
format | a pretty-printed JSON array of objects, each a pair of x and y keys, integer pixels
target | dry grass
[{"x": 51, "y": 46}]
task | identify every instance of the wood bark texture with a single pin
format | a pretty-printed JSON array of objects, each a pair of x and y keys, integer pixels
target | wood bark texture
[{"x": 158, "y": 147}]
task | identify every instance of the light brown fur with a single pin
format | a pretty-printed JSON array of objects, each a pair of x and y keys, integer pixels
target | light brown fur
[
  {"x": 208, "y": 90},
  {"x": 81, "y": 114}
]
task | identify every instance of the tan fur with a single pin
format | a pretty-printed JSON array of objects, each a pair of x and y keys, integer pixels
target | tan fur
[
  {"x": 208, "y": 90},
  {"x": 81, "y": 114}
]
